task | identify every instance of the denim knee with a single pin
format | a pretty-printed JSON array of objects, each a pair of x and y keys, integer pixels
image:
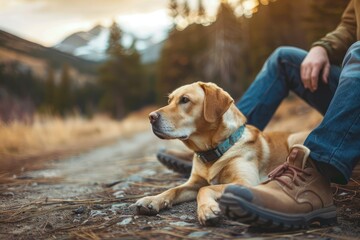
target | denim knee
[
  {"x": 351, "y": 62},
  {"x": 286, "y": 53}
]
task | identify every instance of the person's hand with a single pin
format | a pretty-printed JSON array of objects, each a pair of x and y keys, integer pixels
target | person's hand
[{"x": 316, "y": 62}]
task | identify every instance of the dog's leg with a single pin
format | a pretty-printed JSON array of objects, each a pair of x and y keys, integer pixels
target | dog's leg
[
  {"x": 153, "y": 204},
  {"x": 208, "y": 208}
]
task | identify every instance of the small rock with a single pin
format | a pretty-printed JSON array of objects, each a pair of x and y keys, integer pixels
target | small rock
[
  {"x": 79, "y": 210},
  {"x": 94, "y": 213},
  {"x": 76, "y": 220},
  {"x": 198, "y": 234},
  {"x": 181, "y": 224},
  {"x": 126, "y": 221},
  {"x": 119, "y": 205},
  {"x": 119, "y": 194},
  {"x": 97, "y": 207},
  {"x": 348, "y": 210},
  {"x": 186, "y": 217},
  {"x": 168, "y": 228},
  {"x": 336, "y": 229},
  {"x": 8, "y": 194},
  {"x": 121, "y": 186},
  {"x": 173, "y": 211},
  {"x": 146, "y": 228},
  {"x": 135, "y": 178},
  {"x": 49, "y": 226}
]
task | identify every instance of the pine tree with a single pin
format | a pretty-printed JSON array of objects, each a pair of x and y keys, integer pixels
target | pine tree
[
  {"x": 63, "y": 96},
  {"x": 121, "y": 77},
  {"x": 115, "y": 49},
  {"x": 223, "y": 62},
  {"x": 50, "y": 90}
]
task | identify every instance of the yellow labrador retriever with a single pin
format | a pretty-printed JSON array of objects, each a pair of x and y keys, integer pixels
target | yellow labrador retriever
[{"x": 205, "y": 118}]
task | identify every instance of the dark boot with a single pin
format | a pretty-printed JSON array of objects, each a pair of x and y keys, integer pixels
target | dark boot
[
  {"x": 178, "y": 161},
  {"x": 295, "y": 196}
]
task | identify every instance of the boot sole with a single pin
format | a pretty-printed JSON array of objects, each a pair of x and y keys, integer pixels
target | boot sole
[
  {"x": 176, "y": 164},
  {"x": 243, "y": 211}
]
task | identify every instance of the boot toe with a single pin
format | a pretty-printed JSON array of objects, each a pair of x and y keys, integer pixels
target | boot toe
[{"x": 240, "y": 191}]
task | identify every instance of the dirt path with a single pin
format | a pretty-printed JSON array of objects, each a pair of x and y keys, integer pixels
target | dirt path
[{"x": 88, "y": 196}]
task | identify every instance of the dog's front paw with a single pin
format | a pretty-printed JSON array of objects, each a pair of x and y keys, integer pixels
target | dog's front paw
[
  {"x": 209, "y": 214},
  {"x": 150, "y": 205}
]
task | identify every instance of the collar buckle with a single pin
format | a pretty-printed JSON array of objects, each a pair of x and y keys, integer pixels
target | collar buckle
[
  {"x": 210, "y": 156},
  {"x": 214, "y": 154}
]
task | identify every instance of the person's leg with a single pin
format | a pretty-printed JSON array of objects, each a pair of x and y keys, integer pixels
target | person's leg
[
  {"x": 280, "y": 75},
  {"x": 336, "y": 141},
  {"x": 329, "y": 153}
]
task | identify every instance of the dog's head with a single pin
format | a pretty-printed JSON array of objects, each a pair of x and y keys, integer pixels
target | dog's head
[{"x": 192, "y": 110}]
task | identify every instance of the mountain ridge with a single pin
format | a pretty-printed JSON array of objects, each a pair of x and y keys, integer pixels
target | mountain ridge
[{"x": 92, "y": 44}]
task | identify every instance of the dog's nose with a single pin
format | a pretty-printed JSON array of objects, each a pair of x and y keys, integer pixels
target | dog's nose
[{"x": 154, "y": 116}]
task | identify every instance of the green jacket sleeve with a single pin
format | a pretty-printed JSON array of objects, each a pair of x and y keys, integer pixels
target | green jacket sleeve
[{"x": 338, "y": 41}]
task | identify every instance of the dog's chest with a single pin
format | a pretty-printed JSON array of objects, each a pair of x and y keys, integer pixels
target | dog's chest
[{"x": 214, "y": 181}]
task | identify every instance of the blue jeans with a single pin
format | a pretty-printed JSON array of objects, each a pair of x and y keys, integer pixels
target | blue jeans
[{"x": 335, "y": 143}]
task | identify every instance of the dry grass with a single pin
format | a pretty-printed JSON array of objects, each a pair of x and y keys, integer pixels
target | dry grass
[{"x": 49, "y": 133}]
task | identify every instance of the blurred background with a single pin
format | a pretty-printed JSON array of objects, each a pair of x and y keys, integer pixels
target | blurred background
[{"x": 86, "y": 60}]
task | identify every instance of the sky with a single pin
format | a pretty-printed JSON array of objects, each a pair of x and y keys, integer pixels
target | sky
[{"x": 49, "y": 21}]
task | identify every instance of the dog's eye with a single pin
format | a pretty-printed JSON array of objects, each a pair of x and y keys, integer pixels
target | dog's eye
[{"x": 184, "y": 100}]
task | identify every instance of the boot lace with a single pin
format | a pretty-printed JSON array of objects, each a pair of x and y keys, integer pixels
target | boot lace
[{"x": 290, "y": 171}]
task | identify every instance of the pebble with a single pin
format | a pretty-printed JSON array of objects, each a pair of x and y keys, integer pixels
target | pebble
[
  {"x": 8, "y": 194},
  {"x": 79, "y": 210},
  {"x": 97, "y": 207},
  {"x": 336, "y": 229},
  {"x": 135, "y": 178},
  {"x": 198, "y": 234},
  {"x": 119, "y": 194},
  {"x": 94, "y": 213},
  {"x": 186, "y": 217},
  {"x": 121, "y": 186},
  {"x": 126, "y": 221},
  {"x": 181, "y": 224},
  {"x": 76, "y": 220},
  {"x": 49, "y": 226},
  {"x": 146, "y": 228},
  {"x": 119, "y": 205}
]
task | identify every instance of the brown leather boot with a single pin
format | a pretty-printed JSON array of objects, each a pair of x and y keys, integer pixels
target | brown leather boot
[
  {"x": 178, "y": 161},
  {"x": 295, "y": 196}
]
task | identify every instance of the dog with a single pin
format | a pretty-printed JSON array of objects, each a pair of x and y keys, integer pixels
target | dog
[{"x": 227, "y": 151}]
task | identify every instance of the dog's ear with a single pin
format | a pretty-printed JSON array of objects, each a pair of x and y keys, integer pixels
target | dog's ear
[{"x": 216, "y": 101}]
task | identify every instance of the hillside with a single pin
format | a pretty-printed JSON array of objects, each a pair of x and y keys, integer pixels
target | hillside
[{"x": 38, "y": 58}]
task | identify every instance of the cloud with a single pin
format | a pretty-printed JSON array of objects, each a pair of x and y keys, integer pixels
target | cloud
[
  {"x": 85, "y": 8},
  {"x": 48, "y": 21}
]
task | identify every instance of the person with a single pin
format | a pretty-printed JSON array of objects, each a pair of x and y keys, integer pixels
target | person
[{"x": 298, "y": 192}]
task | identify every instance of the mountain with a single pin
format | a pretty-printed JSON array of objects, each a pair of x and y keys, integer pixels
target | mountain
[
  {"x": 89, "y": 45},
  {"x": 92, "y": 45},
  {"x": 38, "y": 59}
]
